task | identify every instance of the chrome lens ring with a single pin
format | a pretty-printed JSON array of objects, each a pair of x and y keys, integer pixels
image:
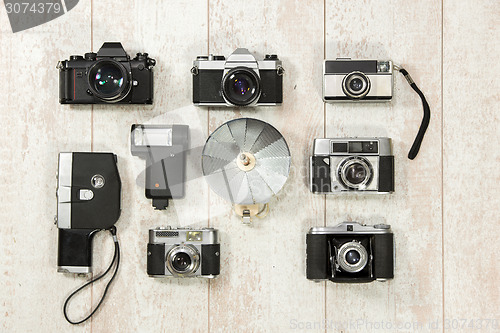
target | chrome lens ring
[
  {"x": 348, "y": 164},
  {"x": 357, "y": 248},
  {"x": 178, "y": 250},
  {"x": 353, "y": 77}
]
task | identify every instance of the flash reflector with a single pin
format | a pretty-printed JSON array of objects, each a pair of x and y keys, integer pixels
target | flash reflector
[
  {"x": 164, "y": 149},
  {"x": 152, "y": 136}
]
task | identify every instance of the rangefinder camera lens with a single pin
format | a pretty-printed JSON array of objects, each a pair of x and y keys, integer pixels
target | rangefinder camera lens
[
  {"x": 352, "y": 257},
  {"x": 183, "y": 259},
  {"x": 356, "y": 85}
]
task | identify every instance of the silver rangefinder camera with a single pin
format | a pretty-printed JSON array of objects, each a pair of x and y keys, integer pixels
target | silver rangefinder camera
[
  {"x": 183, "y": 252},
  {"x": 341, "y": 165},
  {"x": 347, "y": 80}
]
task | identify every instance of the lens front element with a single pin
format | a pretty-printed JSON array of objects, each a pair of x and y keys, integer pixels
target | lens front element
[
  {"x": 183, "y": 260},
  {"x": 108, "y": 80},
  {"x": 241, "y": 86},
  {"x": 356, "y": 85},
  {"x": 355, "y": 173},
  {"x": 352, "y": 257}
]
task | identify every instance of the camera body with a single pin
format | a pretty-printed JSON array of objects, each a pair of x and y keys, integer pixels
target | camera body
[
  {"x": 108, "y": 76},
  {"x": 350, "y": 253},
  {"x": 183, "y": 252},
  {"x": 347, "y": 80},
  {"x": 88, "y": 200},
  {"x": 352, "y": 165},
  {"x": 239, "y": 80}
]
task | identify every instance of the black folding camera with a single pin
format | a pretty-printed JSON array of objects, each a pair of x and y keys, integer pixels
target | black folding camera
[
  {"x": 239, "y": 80},
  {"x": 88, "y": 200},
  {"x": 183, "y": 252},
  {"x": 352, "y": 165},
  {"x": 108, "y": 76},
  {"x": 350, "y": 253}
]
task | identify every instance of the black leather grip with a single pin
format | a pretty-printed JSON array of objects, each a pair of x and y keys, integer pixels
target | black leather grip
[
  {"x": 317, "y": 257},
  {"x": 386, "y": 174},
  {"x": 320, "y": 172},
  {"x": 75, "y": 247},
  {"x": 156, "y": 259},
  {"x": 210, "y": 259},
  {"x": 383, "y": 256}
]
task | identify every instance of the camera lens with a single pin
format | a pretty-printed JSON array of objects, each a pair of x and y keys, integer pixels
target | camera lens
[
  {"x": 355, "y": 173},
  {"x": 352, "y": 257},
  {"x": 108, "y": 80},
  {"x": 181, "y": 261},
  {"x": 356, "y": 85},
  {"x": 241, "y": 86}
]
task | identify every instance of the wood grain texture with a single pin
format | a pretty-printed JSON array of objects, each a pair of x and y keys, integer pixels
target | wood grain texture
[
  {"x": 35, "y": 129},
  {"x": 172, "y": 38},
  {"x": 444, "y": 212},
  {"x": 395, "y": 30},
  {"x": 471, "y": 158},
  {"x": 262, "y": 286}
]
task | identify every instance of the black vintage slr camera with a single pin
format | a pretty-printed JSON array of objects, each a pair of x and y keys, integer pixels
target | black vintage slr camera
[
  {"x": 108, "y": 76},
  {"x": 351, "y": 253},
  {"x": 352, "y": 165},
  {"x": 183, "y": 252},
  {"x": 239, "y": 80}
]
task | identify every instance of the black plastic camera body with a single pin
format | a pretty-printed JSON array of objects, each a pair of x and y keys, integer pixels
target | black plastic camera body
[
  {"x": 108, "y": 76},
  {"x": 350, "y": 253},
  {"x": 239, "y": 80}
]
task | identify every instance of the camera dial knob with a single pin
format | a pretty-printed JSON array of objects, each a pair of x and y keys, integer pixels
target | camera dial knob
[
  {"x": 141, "y": 56},
  {"x": 271, "y": 57},
  {"x": 75, "y": 57},
  {"x": 382, "y": 226},
  {"x": 90, "y": 56}
]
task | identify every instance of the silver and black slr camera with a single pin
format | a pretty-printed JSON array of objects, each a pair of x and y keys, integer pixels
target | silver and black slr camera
[
  {"x": 108, "y": 76},
  {"x": 350, "y": 252},
  {"x": 183, "y": 252},
  {"x": 239, "y": 80},
  {"x": 347, "y": 80},
  {"x": 352, "y": 165}
]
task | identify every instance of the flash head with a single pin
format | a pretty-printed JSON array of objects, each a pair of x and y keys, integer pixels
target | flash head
[{"x": 164, "y": 149}]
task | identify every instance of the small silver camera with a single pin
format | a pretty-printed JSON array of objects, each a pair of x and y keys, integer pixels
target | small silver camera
[
  {"x": 347, "y": 80},
  {"x": 352, "y": 164},
  {"x": 183, "y": 252}
]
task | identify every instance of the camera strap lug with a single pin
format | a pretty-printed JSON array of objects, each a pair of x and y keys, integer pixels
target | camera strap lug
[
  {"x": 194, "y": 70},
  {"x": 59, "y": 65},
  {"x": 280, "y": 70}
]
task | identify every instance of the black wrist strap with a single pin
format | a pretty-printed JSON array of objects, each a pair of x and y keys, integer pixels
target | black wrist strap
[
  {"x": 116, "y": 260},
  {"x": 425, "y": 121}
]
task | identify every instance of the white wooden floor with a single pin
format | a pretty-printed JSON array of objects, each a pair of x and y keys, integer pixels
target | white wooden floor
[{"x": 444, "y": 213}]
